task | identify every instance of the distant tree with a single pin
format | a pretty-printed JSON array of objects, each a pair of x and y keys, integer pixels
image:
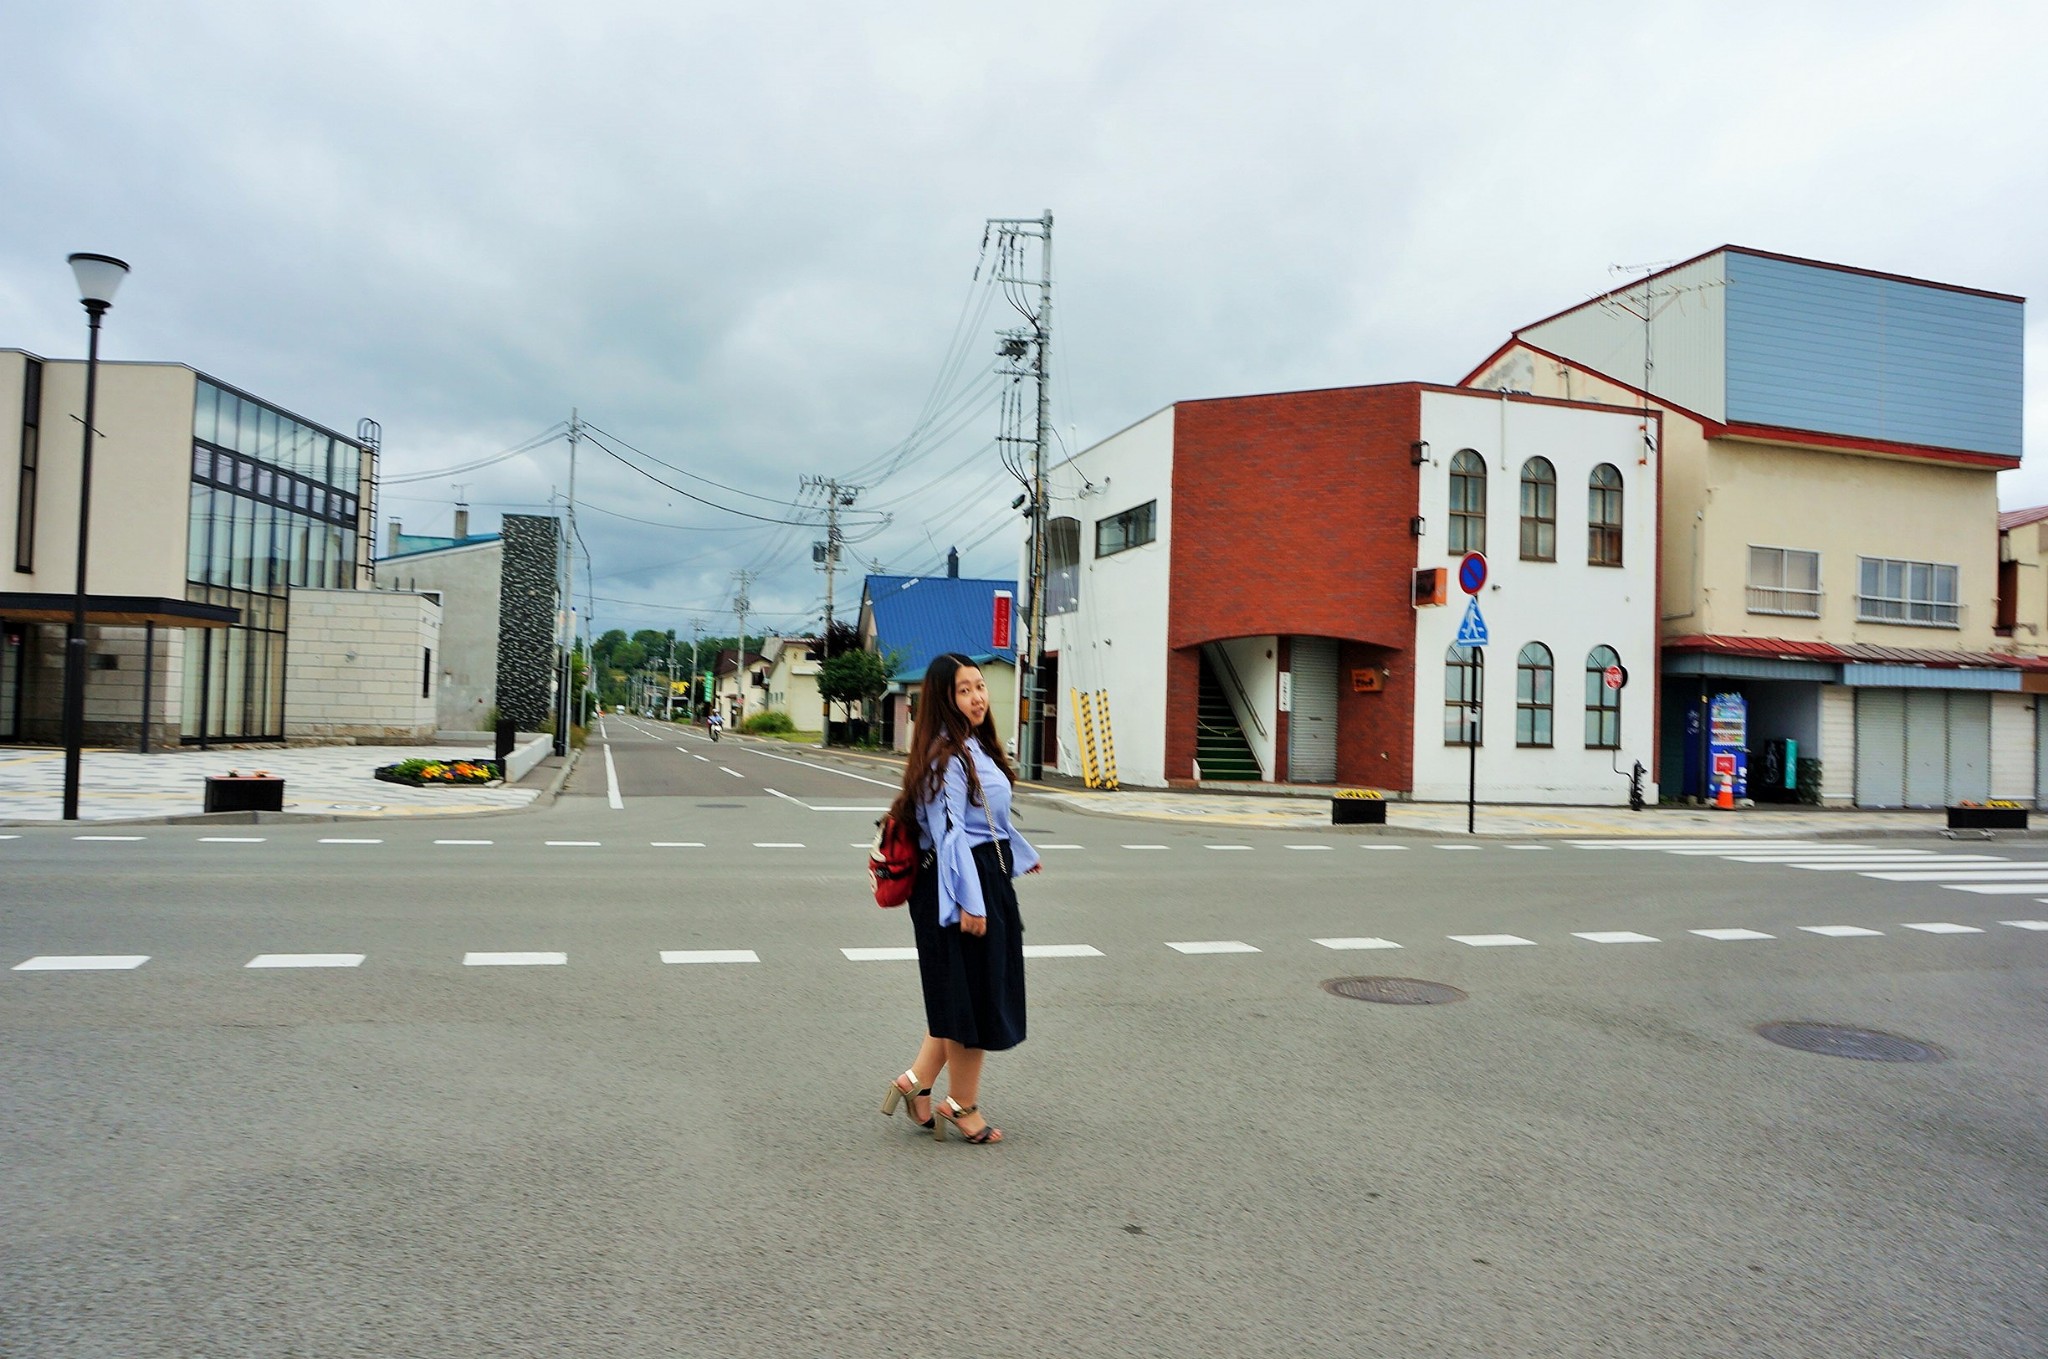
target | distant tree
[
  {"x": 853, "y": 677},
  {"x": 841, "y": 638}
]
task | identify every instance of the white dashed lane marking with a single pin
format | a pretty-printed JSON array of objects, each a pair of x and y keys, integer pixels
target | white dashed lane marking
[
  {"x": 110, "y": 839},
  {"x": 2026, "y": 924},
  {"x": 1357, "y": 943},
  {"x": 305, "y": 960},
  {"x": 339, "y": 840},
  {"x": 710, "y": 955},
  {"x": 880, "y": 955},
  {"x": 1615, "y": 937},
  {"x": 1944, "y": 927},
  {"x": 574, "y": 844},
  {"x": 464, "y": 842},
  {"x": 515, "y": 959},
  {"x": 1212, "y": 946},
  {"x": 1728, "y": 935},
  {"x": 1144, "y": 846},
  {"x": 675, "y": 844},
  {"x": 231, "y": 839},
  {"x": 1491, "y": 940},
  {"x": 1062, "y": 951},
  {"x": 1841, "y": 931},
  {"x": 777, "y": 844},
  {"x": 116, "y": 962}
]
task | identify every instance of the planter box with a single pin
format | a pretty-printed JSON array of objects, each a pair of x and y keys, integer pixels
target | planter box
[
  {"x": 1987, "y": 818},
  {"x": 245, "y": 794},
  {"x": 1357, "y": 811}
]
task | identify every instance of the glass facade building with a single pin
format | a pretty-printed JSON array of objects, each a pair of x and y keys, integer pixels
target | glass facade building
[{"x": 275, "y": 503}]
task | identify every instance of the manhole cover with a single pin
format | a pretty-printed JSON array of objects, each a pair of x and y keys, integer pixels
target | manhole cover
[
  {"x": 721, "y": 806},
  {"x": 1839, "y": 1040},
  {"x": 1393, "y": 990}
]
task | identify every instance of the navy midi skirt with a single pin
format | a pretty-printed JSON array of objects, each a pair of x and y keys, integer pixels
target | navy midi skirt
[{"x": 973, "y": 986}]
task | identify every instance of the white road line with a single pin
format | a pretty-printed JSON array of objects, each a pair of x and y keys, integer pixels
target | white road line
[
  {"x": 573, "y": 844},
  {"x": 340, "y": 840},
  {"x": 1726, "y": 935},
  {"x": 1309, "y": 847},
  {"x": 1898, "y": 865},
  {"x": 1971, "y": 873},
  {"x": 710, "y": 955},
  {"x": 776, "y": 792},
  {"x": 1212, "y": 946},
  {"x": 705, "y": 758},
  {"x": 9, "y": 837},
  {"x": 465, "y": 842},
  {"x": 1062, "y": 951},
  {"x": 1061, "y": 846},
  {"x": 1399, "y": 847},
  {"x": 1944, "y": 927},
  {"x": 778, "y": 844},
  {"x": 1455, "y": 848},
  {"x": 108, "y": 838},
  {"x": 2026, "y": 924},
  {"x": 611, "y": 781},
  {"x": 1144, "y": 846},
  {"x": 114, "y": 962},
  {"x": 232, "y": 839},
  {"x": 827, "y": 769},
  {"x": 305, "y": 960},
  {"x": 734, "y": 772},
  {"x": 1529, "y": 846},
  {"x": 1841, "y": 931},
  {"x": 1491, "y": 940},
  {"x": 1615, "y": 937},
  {"x": 515, "y": 959},
  {"x": 880, "y": 955},
  {"x": 1998, "y": 889},
  {"x": 675, "y": 844},
  {"x": 814, "y": 807},
  {"x": 1357, "y": 943},
  {"x": 1226, "y": 846}
]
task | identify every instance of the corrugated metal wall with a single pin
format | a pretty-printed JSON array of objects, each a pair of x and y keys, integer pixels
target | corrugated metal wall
[{"x": 1847, "y": 353}]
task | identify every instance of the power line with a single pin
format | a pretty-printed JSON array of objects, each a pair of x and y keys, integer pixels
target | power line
[{"x": 545, "y": 437}]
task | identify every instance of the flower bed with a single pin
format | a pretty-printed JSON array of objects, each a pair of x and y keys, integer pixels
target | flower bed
[{"x": 422, "y": 773}]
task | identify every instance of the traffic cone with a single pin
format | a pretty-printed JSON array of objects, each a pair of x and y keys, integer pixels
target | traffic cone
[{"x": 1725, "y": 799}]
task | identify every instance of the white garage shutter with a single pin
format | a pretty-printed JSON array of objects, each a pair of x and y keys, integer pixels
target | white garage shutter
[
  {"x": 1880, "y": 747},
  {"x": 1969, "y": 747},
  {"x": 1312, "y": 725},
  {"x": 1926, "y": 747}
]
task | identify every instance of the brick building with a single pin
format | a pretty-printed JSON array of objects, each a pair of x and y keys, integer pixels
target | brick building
[{"x": 1237, "y": 578}]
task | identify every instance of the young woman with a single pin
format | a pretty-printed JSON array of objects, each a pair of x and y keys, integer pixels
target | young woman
[{"x": 970, "y": 941}]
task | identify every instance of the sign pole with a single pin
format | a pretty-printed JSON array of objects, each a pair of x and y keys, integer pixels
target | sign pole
[{"x": 1472, "y": 768}]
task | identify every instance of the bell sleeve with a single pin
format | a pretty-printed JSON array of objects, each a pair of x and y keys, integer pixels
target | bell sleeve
[{"x": 945, "y": 819}]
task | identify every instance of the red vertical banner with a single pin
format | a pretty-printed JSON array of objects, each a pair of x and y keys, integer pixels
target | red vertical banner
[{"x": 999, "y": 631}]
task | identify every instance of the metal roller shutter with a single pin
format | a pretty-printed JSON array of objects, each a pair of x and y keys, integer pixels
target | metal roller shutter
[
  {"x": 1880, "y": 747},
  {"x": 1926, "y": 747},
  {"x": 1969, "y": 747},
  {"x": 1312, "y": 725}
]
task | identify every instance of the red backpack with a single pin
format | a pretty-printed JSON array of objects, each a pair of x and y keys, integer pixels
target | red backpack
[{"x": 892, "y": 862}]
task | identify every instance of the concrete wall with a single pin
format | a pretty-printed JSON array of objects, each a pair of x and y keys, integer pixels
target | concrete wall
[
  {"x": 354, "y": 666},
  {"x": 1568, "y": 606},
  {"x": 469, "y": 579}
]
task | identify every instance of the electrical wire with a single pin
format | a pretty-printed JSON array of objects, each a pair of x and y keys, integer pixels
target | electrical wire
[{"x": 545, "y": 437}]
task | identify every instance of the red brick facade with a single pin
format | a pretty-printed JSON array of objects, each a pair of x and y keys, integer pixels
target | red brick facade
[{"x": 1291, "y": 517}]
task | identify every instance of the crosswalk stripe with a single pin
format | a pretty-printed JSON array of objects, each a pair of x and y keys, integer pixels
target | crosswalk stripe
[
  {"x": 1841, "y": 931},
  {"x": 1212, "y": 946},
  {"x": 305, "y": 960},
  {"x": 1615, "y": 937},
  {"x": 1726, "y": 936},
  {"x": 880, "y": 955},
  {"x": 1491, "y": 940},
  {"x": 1944, "y": 927},
  {"x": 1062, "y": 951},
  {"x": 1999, "y": 889},
  {"x": 1363, "y": 943},
  {"x": 2026, "y": 924}
]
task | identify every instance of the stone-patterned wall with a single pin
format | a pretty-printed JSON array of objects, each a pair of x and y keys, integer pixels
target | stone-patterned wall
[
  {"x": 526, "y": 619},
  {"x": 355, "y": 661}
]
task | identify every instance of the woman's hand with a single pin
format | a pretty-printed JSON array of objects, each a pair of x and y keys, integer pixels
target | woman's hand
[
  {"x": 1033, "y": 869},
  {"x": 973, "y": 924}
]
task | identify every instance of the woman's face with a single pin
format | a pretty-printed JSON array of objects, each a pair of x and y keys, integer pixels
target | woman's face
[{"x": 970, "y": 695}]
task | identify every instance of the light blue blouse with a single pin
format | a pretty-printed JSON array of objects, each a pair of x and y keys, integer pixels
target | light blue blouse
[{"x": 953, "y": 826}]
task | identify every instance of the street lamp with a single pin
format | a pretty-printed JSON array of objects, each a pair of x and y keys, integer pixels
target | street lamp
[{"x": 99, "y": 276}]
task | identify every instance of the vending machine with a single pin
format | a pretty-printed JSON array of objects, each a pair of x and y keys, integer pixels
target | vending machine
[{"x": 1728, "y": 744}]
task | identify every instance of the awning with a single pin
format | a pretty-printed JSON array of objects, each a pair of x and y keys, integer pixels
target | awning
[{"x": 117, "y": 611}]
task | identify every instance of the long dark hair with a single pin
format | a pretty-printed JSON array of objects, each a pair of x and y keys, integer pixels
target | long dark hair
[{"x": 941, "y": 732}]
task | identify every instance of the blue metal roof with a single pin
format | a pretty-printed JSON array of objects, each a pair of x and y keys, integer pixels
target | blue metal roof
[{"x": 923, "y": 616}]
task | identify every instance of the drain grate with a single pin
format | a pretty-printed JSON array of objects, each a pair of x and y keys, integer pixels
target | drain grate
[
  {"x": 1840, "y": 1040},
  {"x": 1393, "y": 990}
]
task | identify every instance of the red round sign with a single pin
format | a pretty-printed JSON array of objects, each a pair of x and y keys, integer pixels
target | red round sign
[
  {"x": 1472, "y": 572},
  {"x": 1614, "y": 676}
]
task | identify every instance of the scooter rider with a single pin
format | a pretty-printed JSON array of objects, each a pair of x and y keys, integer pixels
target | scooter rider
[{"x": 716, "y": 723}]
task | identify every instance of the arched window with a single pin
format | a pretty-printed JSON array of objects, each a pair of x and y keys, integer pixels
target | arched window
[
  {"x": 1468, "y": 503},
  {"x": 1603, "y": 705},
  {"x": 1603, "y": 516},
  {"x": 1464, "y": 694},
  {"x": 1534, "y": 678},
  {"x": 1539, "y": 511}
]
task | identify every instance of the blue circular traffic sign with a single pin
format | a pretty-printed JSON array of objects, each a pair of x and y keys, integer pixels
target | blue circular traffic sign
[{"x": 1472, "y": 572}]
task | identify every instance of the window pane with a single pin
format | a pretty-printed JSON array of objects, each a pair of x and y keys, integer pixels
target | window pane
[
  {"x": 195, "y": 533},
  {"x": 1802, "y": 570},
  {"x": 205, "y": 411}
]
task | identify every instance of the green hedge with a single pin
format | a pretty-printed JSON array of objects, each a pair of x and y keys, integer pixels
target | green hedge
[{"x": 768, "y": 724}]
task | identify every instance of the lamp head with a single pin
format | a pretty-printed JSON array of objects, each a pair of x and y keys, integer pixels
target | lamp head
[{"x": 99, "y": 277}]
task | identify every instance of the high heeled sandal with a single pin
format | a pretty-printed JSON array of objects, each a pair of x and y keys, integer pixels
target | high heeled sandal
[
  {"x": 949, "y": 1109},
  {"x": 907, "y": 1095}
]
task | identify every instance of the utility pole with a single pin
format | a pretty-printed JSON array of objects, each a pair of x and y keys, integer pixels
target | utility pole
[
  {"x": 564, "y": 703},
  {"x": 740, "y": 605},
  {"x": 696, "y": 636},
  {"x": 837, "y": 497},
  {"x": 1038, "y": 335}
]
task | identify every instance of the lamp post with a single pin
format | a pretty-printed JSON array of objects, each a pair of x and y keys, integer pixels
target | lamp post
[{"x": 99, "y": 276}]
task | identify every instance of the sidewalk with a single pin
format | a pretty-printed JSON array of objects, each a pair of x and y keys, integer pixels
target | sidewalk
[
  {"x": 1279, "y": 811},
  {"x": 326, "y": 782}
]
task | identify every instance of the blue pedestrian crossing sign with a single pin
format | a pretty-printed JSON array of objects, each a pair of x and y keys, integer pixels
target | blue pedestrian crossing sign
[{"x": 1472, "y": 628}]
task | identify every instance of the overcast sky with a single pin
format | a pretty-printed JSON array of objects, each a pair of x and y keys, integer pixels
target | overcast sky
[{"x": 740, "y": 237}]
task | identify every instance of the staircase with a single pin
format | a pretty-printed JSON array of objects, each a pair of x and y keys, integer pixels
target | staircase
[{"x": 1221, "y": 751}]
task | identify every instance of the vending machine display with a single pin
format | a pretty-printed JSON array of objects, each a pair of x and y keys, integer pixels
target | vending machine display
[{"x": 1728, "y": 743}]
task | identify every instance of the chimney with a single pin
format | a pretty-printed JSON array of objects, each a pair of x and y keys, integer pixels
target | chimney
[
  {"x": 391, "y": 538},
  {"x": 952, "y": 563},
  {"x": 461, "y": 522}
]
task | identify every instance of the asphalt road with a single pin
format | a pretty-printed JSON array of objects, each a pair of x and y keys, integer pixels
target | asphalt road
[{"x": 443, "y": 1141}]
